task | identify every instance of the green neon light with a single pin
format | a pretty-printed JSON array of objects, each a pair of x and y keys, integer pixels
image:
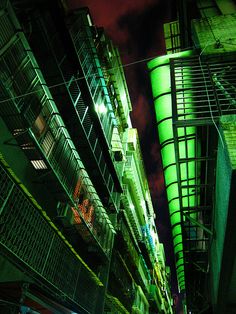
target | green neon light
[
  {"x": 170, "y": 174},
  {"x": 161, "y": 88},
  {"x": 166, "y": 58}
]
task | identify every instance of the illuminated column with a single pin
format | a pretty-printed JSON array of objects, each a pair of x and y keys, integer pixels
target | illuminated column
[{"x": 171, "y": 140}]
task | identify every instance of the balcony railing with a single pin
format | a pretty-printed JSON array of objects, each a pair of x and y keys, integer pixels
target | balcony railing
[
  {"x": 30, "y": 241},
  {"x": 123, "y": 285},
  {"x": 89, "y": 139},
  {"x": 130, "y": 245},
  {"x": 144, "y": 273},
  {"x": 155, "y": 295},
  {"x": 131, "y": 213},
  {"x": 32, "y": 117},
  {"x": 140, "y": 305},
  {"x": 79, "y": 115},
  {"x": 88, "y": 127},
  {"x": 131, "y": 173},
  {"x": 83, "y": 39},
  {"x": 84, "y": 43},
  {"x": 204, "y": 89},
  {"x": 113, "y": 305}
]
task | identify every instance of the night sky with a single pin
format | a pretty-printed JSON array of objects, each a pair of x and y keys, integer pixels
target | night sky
[{"x": 136, "y": 28}]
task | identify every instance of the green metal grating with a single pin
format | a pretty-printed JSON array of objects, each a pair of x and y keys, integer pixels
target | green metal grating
[
  {"x": 30, "y": 242},
  {"x": 82, "y": 36},
  {"x": 26, "y": 99}
]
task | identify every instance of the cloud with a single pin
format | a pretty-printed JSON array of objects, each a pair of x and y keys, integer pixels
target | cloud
[
  {"x": 133, "y": 25},
  {"x": 141, "y": 116},
  {"x": 156, "y": 184},
  {"x": 107, "y": 13},
  {"x": 155, "y": 153}
]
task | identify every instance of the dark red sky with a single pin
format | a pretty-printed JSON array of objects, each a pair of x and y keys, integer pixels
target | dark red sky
[{"x": 136, "y": 27}]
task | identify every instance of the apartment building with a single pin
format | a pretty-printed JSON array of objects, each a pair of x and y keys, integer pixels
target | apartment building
[
  {"x": 77, "y": 224},
  {"x": 195, "y": 109}
]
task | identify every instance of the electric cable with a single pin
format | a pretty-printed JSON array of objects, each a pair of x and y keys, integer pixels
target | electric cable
[
  {"x": 76, "y": 79},
  {"x": 83, "y": 77},
  {"x": 124, "y": 66}
]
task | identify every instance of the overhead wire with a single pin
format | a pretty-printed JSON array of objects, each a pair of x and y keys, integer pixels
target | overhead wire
[
  {"x": 216, "y": 41},
  {"x": 142, "y": 60},
  {"x": 75, "y": 79}
]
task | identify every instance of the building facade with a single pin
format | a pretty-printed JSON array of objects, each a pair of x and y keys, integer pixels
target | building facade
[
  {"x": 195, "y": 110},
  {"x": 77, "y": 225}
]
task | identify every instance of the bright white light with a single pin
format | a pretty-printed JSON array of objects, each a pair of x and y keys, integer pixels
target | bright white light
[
  {"x": 89, "y": 20},
  {"x": 100, "y": 108},
  {"x": 39, "y": 164}
]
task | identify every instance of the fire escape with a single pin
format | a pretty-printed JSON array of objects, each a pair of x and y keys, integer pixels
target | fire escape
[{"x": 203, "y": 90}]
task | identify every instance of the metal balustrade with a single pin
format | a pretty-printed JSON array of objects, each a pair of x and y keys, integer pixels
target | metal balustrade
[
  {"x": 144, "y": 272},
  {"x": 130, "y": 245},
  {"x": 88, "y": 127},
  {"x": 131, "y": 213},
  {"x": 63, "y": 159},
  {"x": 113, "y": 305},
  {"x": 141, "y": 304},
  {"x": 80, "y": 112},
  {"x": 132, "y": 173},
  {"x": 82, "y": 36},
  {"x": 28, "y": 240},
  {"x": 32, "y": 117},
  {"x": 155, "y": 295},
  {"x": 204, "y": 89},
  {"x": 124, "y": 282}
]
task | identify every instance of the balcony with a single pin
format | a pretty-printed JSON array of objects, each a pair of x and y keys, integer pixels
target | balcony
[
  {"x": 156, "y": 297},
  {"x": 130, "y": 212},
  {"x": 115, "y": 79},
  {"x": 133, "y": 179},
  {"x": 60, "y": 66},
  {"x": 94, "y": 89},
  {"x": 31, "y": 241},
  {"x": 144, "y": 273},
  {"x": 129, "y": 244},
  {"x": 83, "y": 36},
  {"x": 148, "y": 245},
  {"x": 113, "y": 305},
  {"x": 121, "y": 280},
  {"x": 35, "y": 123},
  {"x": 141, "y": 305}
]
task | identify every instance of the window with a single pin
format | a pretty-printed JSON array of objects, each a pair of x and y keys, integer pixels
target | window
[
  {"x": 39, "y": 164},
  {"x": 39, "y": 125}
]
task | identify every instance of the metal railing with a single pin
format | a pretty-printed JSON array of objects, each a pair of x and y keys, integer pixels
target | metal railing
[
  {"x": 29, "y": 241},
  {"x": 131, "y": 213},
  {"x": 130, "y": 245},
  {"x": 132, "y": 173},
  {"x": 82, "y": 36},
  {"x": 144, "y": 273},
  {"x": 205, "y": 88},
  {"x": 32, "y": 117}
]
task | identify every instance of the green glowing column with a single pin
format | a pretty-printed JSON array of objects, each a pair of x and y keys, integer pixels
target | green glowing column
[{"x": 161, "y": 88}]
